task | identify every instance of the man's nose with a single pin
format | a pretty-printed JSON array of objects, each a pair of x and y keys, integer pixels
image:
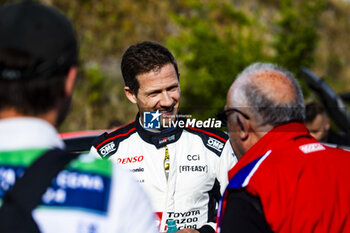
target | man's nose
[{"x": 166, "y": 100}]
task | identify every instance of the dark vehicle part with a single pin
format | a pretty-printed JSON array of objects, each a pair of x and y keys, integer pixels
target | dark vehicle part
[{"x": 335, "y": 107}]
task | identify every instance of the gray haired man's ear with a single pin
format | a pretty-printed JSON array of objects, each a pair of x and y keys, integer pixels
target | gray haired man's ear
[{"x": 243, "y": 127}]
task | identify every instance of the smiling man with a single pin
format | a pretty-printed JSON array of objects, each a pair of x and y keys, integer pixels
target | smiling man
[{"x": 183, "y": 169}]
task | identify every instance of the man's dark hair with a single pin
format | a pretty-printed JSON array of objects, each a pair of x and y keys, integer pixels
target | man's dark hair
[
  {"x": 142, "y": 58},
  {"x": 37, "y": 48},
  {"x": 312, "y": 110},
  {"x": 32, "y": 96}
]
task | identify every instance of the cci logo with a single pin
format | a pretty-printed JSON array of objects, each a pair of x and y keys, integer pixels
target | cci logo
[
  {"x": 151, "y": 120},
  {"x": 193, "y": 157}
]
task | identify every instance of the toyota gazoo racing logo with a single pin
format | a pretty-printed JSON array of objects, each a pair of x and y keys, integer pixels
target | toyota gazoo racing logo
[
  {"x": 166, "y": 139},
  {"x": 106, "y": 149},
  {"x": 215, "y": 144}
]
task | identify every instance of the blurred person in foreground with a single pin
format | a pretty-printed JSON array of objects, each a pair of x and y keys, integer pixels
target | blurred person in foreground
[
  {"x": 318, "y": 124},
  {"x": 183, "y": 169},
  {"x": 38, "y": 66},
  {"x": 284, "y": 180}
]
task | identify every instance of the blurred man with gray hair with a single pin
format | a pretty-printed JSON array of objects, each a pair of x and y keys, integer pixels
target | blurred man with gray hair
[{"x": 284, "y": 180}]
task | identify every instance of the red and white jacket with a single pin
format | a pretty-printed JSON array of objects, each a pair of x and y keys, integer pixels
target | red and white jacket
[
  {"x": 303, "y": 185},
  {"x": 199, "y": 163}
]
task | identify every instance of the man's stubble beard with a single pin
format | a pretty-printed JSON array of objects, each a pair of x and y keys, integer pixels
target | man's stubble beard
[{"x": 169, "y": 120}]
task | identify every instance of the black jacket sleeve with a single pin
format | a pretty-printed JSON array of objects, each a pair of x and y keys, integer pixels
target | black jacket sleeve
[{"x": 244, "y": 214}]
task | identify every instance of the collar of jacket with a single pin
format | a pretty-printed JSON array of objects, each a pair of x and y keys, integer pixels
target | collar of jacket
[
  {"x": 275, "y": 138},
  {"x": 158, "y": 139}
]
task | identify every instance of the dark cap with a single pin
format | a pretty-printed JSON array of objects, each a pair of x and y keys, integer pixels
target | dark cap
[{"x": 41, "y": 32}]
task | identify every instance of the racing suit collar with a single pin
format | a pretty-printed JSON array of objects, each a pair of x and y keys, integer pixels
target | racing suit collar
[{"x": 158, "y": 139}]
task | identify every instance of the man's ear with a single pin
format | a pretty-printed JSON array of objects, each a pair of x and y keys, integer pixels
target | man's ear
[
  {"x": 70, "y": 80},
  {"x": 130, "y": 95},
  {"x": 243, "y": 125},
  {"x": 327, "y": 125}
]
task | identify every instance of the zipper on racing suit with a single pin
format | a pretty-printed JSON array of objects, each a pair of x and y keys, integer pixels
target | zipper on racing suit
[{"x": 166, "y": 163}]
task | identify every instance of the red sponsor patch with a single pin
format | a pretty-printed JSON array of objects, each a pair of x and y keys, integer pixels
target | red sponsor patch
[{"x": 134, "y": 159}]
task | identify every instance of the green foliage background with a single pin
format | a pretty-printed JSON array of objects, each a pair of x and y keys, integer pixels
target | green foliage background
[{"x": 212, "y": 41}]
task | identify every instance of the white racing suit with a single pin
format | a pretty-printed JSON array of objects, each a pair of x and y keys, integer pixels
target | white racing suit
[{"x": 189, "y": 190}]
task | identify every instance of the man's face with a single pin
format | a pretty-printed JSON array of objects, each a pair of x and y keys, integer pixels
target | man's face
[
  {"x": 319, "y": 127},
  {"x": 233, "y": 126},
  {"x": 233, "y": 132},
  {"x": 159, "y": 90}
]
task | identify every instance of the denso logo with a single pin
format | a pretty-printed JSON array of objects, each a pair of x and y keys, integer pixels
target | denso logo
[
  {"x": 217, "y": 145},
  {"x": 134, "y": 159},
  {"x": 107, "y": 148}
]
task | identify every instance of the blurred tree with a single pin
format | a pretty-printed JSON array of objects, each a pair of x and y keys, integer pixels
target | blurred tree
[
  {"x": 105, "y": 29},
  {"x": 333, "y": 59},
  {"x": 214, "y": 43},
  {"x": 296, "y": 37}
]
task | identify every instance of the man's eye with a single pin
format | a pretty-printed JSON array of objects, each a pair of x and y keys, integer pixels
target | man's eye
[
  {"x": 173, "y": 88},
  {"x": 154, "y": 93}
]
